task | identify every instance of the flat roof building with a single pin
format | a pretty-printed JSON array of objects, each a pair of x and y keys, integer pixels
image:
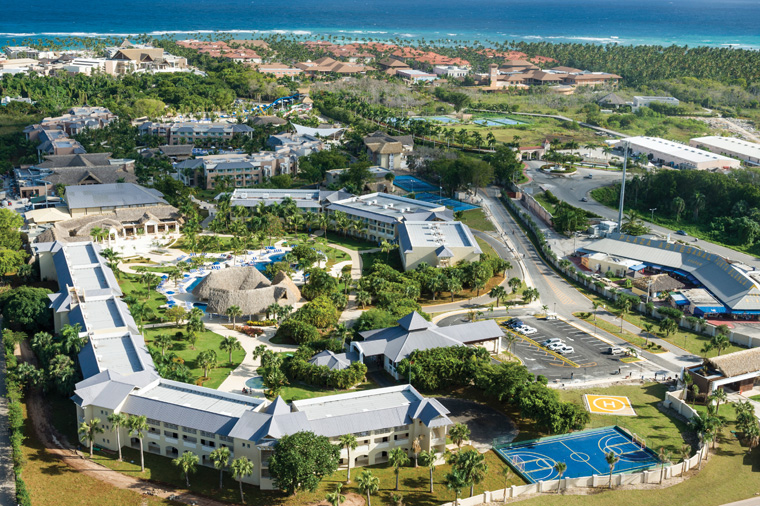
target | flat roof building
[
  {"x": 94, "y": 199},
  {"x": 729, "y": 146},
  {"x": 677, "y": 155},
  {"x": 640, "y": 101},
  {"x": 438, "y": 244}
]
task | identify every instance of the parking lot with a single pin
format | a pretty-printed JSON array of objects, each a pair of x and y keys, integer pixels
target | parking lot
[{"x": 589, "y": 353}]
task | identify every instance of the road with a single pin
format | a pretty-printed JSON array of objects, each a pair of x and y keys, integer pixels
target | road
[{"x": 573, "y": 189}]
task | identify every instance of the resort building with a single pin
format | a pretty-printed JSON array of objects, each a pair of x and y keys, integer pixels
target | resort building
[
  {"x": 385, "y": 348},
  {"x": 120, "y": 377},
  {"x": 278, "y": 70},
  {"x": 327, "y": 65},
  {"x": 246, "y": 288},
  {"x": 305, "y": 200},
  {"x": 736, "y": 290},
  {"x": 676, "y": 155},
  {"x": 189, "y": 133},
  {"x": 416, "y": 76},
  {"x": 75, "y": 121},
  {"x": 438, "y": 244},
  {"x": 72, "y": 169},
  {"x": 639, "y": 101},
  {"x": 748, "y": 152},
  {"x": 387, "y": 151},
  {"x": 121, "y": 210},
  {"x": 450, "y": 71},
  {"x": 331, "y": 360},
  {"x": 733, "y": 372},
  {"x": 521, "y": 74},
  {"x": 382, "y": 212}
]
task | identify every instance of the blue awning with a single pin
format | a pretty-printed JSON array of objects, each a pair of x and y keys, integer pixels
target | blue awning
[
  {"x": 637, "y": 268},
  {"x": 709, "y": 310},
  {"x": 745, "y": 312}
]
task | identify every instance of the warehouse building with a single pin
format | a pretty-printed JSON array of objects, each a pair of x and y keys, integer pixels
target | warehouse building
[
  {"x": 677, "y": 155},
  {"x": 748, "y": 152}
]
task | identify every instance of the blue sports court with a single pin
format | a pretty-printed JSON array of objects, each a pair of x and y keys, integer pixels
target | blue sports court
[
  {"x": 583, "y": 453},
  {"x": 456, "y": 205},
  {"x": 412, "y": 184}
]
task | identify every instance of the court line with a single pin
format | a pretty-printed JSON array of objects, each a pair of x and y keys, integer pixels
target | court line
[{"x": 585, "y": 462}]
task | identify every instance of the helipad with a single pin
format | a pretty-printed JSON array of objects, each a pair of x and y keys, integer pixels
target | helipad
[{"x": 609, "y": 405}]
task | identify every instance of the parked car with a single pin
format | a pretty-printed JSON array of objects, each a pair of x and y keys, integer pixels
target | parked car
[
  {"x": 589, "y": 176},
  {"x": 615, "y": 350},
  {"x": 526, "y": 330},
  {"x": 584, "y": 199},
  {"x": 565, "y": 350},
  {"x": 555, "y": 346},
  {"x": 515, "y": 324},
  {"x": 681, "y": 232},
  {"x": 553, "y": 340}
]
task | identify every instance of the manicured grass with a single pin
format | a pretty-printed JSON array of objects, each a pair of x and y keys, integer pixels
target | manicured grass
[
  {"x": 755, "y": 398},
  {"x": 298, "y": 391},
  {"x": 729, "y": 475},
  {"x": 476, "y": 219},
  {"x": 485, "y": 247},
  {"x": 131, "y": 286},
  {"x": 206, "y": 341},
  {"x": 650, "y": 423},
  {"x": 615, "y": 329},
  {"x": 347, "y": 242},
  {"x": 541, "y": 199},
  {"x": 51, "y": 482}
]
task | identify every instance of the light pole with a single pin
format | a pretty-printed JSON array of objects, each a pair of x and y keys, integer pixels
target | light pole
[{"x": 652, "y": 211}]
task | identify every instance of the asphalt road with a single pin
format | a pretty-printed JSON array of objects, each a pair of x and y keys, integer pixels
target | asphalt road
[{"x": 573, "y": 189}]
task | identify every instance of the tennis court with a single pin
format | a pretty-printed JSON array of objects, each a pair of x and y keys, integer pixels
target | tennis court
[
  {"x": 583, "y": 453},
  {"x": 456, "y": 205},
  {"x": 412, "y": 184}
]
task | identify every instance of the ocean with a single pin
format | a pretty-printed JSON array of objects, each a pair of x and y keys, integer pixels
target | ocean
[{"x": 662, "y": 22}]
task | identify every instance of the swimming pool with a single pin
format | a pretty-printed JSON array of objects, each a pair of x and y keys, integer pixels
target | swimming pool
[
  {"x": 193, "y": 284},
  {"x": 200, "y": 305},
  {"x": 255, "y": 383},
  {"x": 263, "y": 264}
]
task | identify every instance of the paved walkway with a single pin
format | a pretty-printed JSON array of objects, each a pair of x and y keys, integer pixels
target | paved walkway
[{"x": 235, "y": 382}]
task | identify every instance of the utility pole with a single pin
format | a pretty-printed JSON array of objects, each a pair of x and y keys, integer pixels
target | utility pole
[{"x": 622, "y": 186}]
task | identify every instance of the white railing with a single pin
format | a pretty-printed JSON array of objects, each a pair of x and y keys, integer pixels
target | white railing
[{"x": 597, "y": 481}]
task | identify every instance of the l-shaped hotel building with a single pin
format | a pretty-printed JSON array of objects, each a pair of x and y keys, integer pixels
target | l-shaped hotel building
[{"x": 120, "y": 377}]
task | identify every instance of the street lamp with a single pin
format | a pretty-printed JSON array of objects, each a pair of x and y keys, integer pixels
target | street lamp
[{"x": 652, "y": 211}]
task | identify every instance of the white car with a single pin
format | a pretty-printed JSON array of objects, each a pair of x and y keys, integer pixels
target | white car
[
  {"x": 555, "y": 346},
  {"x": 565, "y": 350},
  {"x": 553, "y": 340},
  {"x": 526, "y": 331}
]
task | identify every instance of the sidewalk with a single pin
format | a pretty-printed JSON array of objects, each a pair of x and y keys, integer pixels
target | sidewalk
[{"x": 7, "y": 476}]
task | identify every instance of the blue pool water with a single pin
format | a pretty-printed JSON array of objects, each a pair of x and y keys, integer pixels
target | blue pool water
[
  {"x": 256, "y": 383},
  {"x": 194, "y": 283},
  {"x": 274, "y": 258},
  {"x": 200, "y": 305}
]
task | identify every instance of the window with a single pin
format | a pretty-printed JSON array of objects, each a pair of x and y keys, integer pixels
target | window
[
  {"x": 207, "y": 434},
  {"x": 189, "y": 439},
  {"x": 227, "y": 439},
  {"x": 171, "y": 434},
  {"x": 171, "y": 426},
  {"x": 151, "y": 421},
  {"x": 189, "y": 431}
]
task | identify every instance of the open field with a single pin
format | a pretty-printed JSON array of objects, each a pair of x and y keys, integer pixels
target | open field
[{"x": 476, "y": 219}]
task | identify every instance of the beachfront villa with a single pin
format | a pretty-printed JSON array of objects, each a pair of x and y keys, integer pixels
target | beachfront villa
[{"x": 120, "y": 377}]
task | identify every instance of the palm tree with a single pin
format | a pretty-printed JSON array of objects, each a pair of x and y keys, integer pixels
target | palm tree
[
  {"x": 117, "y": 421},
  {"x": 137, "y": 426},
  {"x": 679, "y": 205},
  {"x": 459, "y": 433},
  {"x": 163, "y": 341},
  {"x": 233, "y": 312},
  {"x": 611, "y": 459},
  {"x": 230, "y": 344},
  {"x": 348, "y": 441},
  {"x": 386, "y": 247},
  {"x": 207, "y": 360},
  {"x": 187, "y": 462},
  {"x": 625, "y": 309},
  {"x": 335, "y": 498},
  {"x": 368, "y": 484},
  {"x": 221, "y": 459},
  {"x": 428, "y": 459},
  {"x": 718, "y": 396},
  {"x": 89, "y": 430},
  {"x": 473, "y": 467},
  {"x": 685, "y": 453},
  {"x": 664, "y": 458},
  {"x": 455, "y": 482},
  {"x": 398, "y": 458},
  {"x": 686, "y": 383},
  {"x": 506, "y": 472},
  {"x": 648, "y": 328},
  {"x": 241, "y": 467},
  {"x": 560, "y": 467},
  {"x": 497, "y": 292},
  {"x": 511, "y": 339},
  {"x": 698, "y": 202}
]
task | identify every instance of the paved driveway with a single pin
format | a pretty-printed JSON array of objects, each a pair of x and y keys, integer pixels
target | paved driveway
[{"x": 485, "y": 423}]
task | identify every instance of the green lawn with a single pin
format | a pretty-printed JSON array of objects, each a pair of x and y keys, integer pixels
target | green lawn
[
  {"x": 541, "y": 199},
  {"x": 298, "y": 390},
  {"x": 206, "y": 341},
  {"x": 485, "y": 247},
  {"x": 131, "y": 286},
  {"x": 347, "y": 242},
  {"x": 476, "y": 219},
  {"x": 635, "y": 340}
]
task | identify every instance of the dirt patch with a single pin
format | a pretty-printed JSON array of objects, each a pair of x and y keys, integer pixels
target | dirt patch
[{"x": 351, "y": 500}]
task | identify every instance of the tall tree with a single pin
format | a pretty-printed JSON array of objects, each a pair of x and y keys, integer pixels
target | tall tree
[
  {"x": 220, "y": 457},
  {"x": 117, "y": 421},
  {"x": 398, "y": 458},
  {"x": 368, "y": 484},
  {"x": 137, "y": 426},
  {"x": 187, "y": 462},
  {"x": 88, "y": 431},
  {"x": 348, "y": 441},
  {"x": 428, "y": 458},
  {"x": 241, "y": 467}
]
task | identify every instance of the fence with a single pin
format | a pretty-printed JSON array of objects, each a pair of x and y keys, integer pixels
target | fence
[
  {"x": 595, "y": 481},
  {"x": 673, "y": 401},
  {"x": 593, "y": 285}
]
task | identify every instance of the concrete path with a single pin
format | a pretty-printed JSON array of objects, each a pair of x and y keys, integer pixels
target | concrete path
[{"x": 235, "y": 382}]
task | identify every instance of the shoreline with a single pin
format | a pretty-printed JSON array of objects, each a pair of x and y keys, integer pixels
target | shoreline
[{"x": 441, "y": 38}]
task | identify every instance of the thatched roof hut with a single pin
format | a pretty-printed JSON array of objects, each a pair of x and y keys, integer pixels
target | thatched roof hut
[
  {"x": 737, "y": 363},
  {"x": 246, "y": 288}
]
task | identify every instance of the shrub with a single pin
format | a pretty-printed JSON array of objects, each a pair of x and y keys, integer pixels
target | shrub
[
  {"x": 299, "y": 331},
  {"x": 320, "y": 312},
  {"x": 251, "y": 331}
]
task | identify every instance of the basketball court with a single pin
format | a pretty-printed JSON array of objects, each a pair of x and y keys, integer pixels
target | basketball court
[
  {"x": 583, "y": 452},
  {"x": 617, "y": 405}
]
